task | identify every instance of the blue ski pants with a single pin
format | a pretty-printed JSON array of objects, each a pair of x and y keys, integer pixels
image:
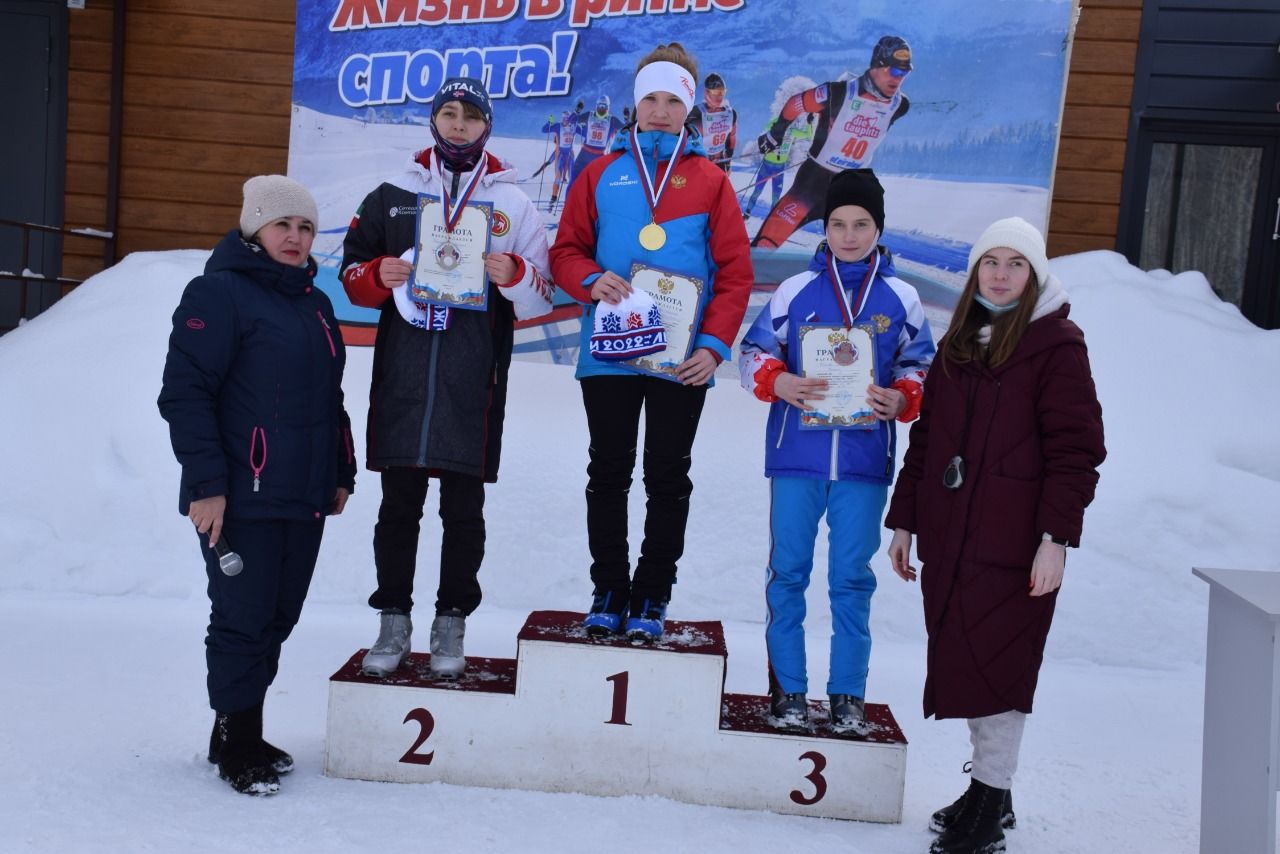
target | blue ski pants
[{"x": 853, "y": 510}]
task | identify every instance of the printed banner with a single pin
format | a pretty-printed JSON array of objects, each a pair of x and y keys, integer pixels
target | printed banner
[{"x": 956, "y": 105}]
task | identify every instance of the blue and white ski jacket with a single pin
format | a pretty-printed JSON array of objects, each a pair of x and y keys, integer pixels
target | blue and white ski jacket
[{"x": 904, "y": 351}]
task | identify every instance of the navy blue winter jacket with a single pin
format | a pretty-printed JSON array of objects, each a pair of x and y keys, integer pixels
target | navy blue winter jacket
[{"x": 253, "y": 388}]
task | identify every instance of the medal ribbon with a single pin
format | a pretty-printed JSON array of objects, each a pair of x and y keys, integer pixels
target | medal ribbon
[
  {"x": 842, "y": 296},
  {"x": 650, "y": 194},
  {"x": 451, "y": 216}
]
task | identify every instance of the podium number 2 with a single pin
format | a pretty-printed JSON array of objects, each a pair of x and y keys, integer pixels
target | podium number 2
[
  {"x": 619, "y": 680},
  {"x": 426, "y": 724},
  {"x": 815, "y": 777}
]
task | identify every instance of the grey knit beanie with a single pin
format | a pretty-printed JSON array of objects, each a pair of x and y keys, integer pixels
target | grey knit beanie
[{"x": 267, "y": 198}]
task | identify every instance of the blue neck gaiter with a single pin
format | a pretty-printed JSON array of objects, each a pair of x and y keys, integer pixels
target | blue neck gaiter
[{"x": 992, "y": 307}]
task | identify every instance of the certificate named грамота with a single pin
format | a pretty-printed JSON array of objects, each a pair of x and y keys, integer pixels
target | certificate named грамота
[
  {"x": 679, "y": 300},
  {"x": 448, "y": 265},
  {"x": 845, "y": 358}
]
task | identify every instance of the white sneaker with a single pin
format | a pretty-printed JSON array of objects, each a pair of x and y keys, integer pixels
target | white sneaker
[
  {"x": 392, "y": 646},
  {"x": 447, "y": 658}
]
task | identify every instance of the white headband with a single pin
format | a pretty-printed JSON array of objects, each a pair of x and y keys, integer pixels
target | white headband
[{"x": 665, "y": 77}]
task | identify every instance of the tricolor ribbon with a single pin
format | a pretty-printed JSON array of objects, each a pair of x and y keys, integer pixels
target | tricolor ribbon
[
  {"x": 650, "y": 194},
  {"x": 842, "y": 296},
  {"x": 452, "y": 215}
]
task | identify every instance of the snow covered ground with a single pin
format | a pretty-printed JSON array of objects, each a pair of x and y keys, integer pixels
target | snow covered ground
[{"x": 102, "y": 606}]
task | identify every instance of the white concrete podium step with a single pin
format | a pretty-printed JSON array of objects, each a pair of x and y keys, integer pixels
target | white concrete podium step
[{"x": 606, "y": 717}]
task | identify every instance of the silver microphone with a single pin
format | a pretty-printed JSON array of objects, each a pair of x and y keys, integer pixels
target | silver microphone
[{"x": 230, "y": 562}]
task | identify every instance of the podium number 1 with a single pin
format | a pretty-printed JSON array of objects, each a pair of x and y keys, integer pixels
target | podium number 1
[{"x": 619, "y": 681}]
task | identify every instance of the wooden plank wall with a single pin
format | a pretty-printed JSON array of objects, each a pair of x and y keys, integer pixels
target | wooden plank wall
[
  {"x": 1095, "y": 123},
  {"x": 88, "y": 111},
  {"x": 207, "y": 103}
]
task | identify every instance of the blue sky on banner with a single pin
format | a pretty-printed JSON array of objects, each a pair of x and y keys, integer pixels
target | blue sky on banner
[{"x": 986, "y": 91}]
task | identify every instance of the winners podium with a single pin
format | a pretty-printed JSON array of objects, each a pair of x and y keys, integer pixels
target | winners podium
[{"x": 606, "y": 717}]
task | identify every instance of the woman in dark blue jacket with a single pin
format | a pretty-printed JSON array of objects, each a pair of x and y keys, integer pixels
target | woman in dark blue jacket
[{"x": 253, "y": 396}]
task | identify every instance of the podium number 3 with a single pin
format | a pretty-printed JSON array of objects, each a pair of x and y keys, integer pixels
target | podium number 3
[
  {"x": 426, "y": 724},
  {"x": 815, "y": 777}
]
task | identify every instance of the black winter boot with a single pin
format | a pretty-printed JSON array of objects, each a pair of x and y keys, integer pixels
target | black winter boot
[
  {"x": 975, "y": 829},
  {"x": 241, "y": 757},
  {"x": 281, "y": 762},
  {"x": 943, "y": 818}
]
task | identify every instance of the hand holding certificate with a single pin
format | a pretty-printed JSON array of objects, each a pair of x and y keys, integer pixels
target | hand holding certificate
[
  {"x": 448, "y": 267},
  {"x": 799, "y": 391},
  {"x": 452, "y": 239},
  {"x": 844, "y": 358},
  {"x": 679, "y": 299}
]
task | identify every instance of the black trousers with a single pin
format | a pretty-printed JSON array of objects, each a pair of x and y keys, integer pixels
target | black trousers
[
  {"x": 671, "y": 414},
  {"x": 253, "y": 613},
  {"x": 395, "y": 539}
]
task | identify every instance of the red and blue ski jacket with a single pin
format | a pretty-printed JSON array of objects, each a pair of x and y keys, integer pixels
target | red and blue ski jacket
[{"x": 705, "y": 237}]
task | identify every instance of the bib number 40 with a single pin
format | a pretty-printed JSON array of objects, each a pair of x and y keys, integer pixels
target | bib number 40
[{"x": 854, "y": 148}]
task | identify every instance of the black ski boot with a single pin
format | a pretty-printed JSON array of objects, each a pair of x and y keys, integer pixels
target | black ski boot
[
  {"x": 975, "y": 829},
  {"x": 241, "y": 757},
  {"x": 943, "y": 818}
]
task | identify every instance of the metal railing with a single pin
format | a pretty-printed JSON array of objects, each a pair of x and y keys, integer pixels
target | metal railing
[{"x": 25, "y": 275}]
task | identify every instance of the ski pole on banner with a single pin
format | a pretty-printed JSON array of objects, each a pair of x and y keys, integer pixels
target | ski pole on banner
[
  {"x": 760, "y": 180},
  {"x": 544, "y": 165},
  {"x": 935, "y": 106},
  {"x": 751, "y": 184}
]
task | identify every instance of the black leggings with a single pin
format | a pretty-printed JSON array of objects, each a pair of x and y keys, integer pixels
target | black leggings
[
  {"x": 672, "y": 410},
  {"x": 395, "y": 538}
]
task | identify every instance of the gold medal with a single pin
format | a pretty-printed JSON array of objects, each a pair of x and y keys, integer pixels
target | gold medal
[{"x": 652, "y": 237}]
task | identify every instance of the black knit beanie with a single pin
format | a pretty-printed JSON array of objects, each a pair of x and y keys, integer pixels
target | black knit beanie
[{"x": 857, "y": 187}]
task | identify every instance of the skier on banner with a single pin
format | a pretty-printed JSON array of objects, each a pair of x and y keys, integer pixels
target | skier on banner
[
  {"x": 565, "y": 129},
  {"x": 716, "y": 121},
  {"x": 774, "y": 163},
  {"x": 597, "y": 129},
  {"x": 853, "y": 118}
]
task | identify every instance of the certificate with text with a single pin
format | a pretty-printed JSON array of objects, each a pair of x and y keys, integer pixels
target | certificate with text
[
  {"x": 679, "y": 299},
  {"x": 845, "y": 358},
  {"x": 448, "y": 265}
]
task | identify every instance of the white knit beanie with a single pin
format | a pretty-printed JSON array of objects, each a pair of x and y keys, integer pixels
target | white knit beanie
[
  {"x": 1019, "y": 235},
  {"x": 267, "y": 198},
  {"x": 629, "y": 329}
]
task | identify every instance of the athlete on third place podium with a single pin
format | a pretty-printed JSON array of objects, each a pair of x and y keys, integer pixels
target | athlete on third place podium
[{"x": 849, "y": 294}]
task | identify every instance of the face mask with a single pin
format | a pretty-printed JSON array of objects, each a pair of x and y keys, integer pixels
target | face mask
[
  {"x": 460, "y": 158},
  {"x": 992, "y": 307}
]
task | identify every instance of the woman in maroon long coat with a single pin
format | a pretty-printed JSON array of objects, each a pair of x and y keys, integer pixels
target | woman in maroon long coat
[{"x": 1002, "y": 463}]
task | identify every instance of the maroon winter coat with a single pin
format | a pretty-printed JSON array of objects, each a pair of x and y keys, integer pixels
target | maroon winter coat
[{"x": 1033, "y": 449}]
